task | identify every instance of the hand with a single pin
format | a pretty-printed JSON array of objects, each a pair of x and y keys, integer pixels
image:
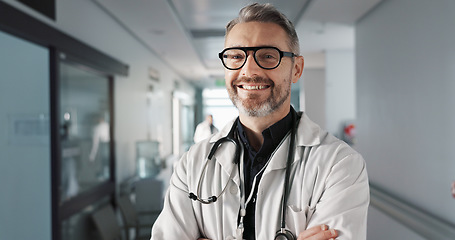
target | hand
[{"x": 321, "y": 232}]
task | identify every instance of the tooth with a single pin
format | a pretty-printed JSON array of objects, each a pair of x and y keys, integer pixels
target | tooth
[{"x": 254, "y": 87}]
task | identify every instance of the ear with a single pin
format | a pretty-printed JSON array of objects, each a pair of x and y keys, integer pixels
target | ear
[{"x": 297, "y": 69}]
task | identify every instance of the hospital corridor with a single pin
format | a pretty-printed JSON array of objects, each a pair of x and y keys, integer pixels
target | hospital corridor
[{"x": 100, "y": 101}]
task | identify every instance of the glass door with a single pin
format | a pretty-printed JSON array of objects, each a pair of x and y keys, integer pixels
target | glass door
[
  {"x": 84, "y": 130},
  {"x": 85, "y": 175}
]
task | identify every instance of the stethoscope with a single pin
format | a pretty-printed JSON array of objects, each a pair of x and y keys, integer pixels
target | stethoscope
[
  {"x": 283, "y": 233},
  {"x": 230, "y": 137}
]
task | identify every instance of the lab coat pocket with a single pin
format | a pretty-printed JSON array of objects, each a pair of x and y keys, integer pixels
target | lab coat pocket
[{"x": 297, "y": 217}]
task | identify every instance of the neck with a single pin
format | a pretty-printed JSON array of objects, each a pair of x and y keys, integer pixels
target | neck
[{"x": 254, "y": 126}]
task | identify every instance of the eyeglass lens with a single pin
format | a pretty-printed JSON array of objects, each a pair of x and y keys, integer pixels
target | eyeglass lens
[{"x": 267, "y": 58}]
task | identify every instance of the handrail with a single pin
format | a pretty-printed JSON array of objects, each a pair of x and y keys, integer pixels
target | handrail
[{"x": 415, "y": 219}]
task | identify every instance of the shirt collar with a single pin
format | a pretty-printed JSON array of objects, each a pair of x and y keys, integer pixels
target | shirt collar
[{"x": 276, "y": 132}]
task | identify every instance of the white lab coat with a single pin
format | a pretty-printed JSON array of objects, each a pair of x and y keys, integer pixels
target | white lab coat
[
  {"x": 203, "y": 131},
  {"x": 330, "y": 186}
]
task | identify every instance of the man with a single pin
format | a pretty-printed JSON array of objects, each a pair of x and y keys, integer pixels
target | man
[
  {"x": 327, "y": 192},
  {"x": 204, "y": 129}
]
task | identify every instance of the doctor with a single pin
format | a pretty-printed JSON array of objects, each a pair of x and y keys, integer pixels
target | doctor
[
  {"x": 205, "y": 129},
  {"x": 291, "y": 179}
]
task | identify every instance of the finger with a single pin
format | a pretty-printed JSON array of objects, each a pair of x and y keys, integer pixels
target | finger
[
  {"x": 329, "y": 234},
  {"x": 312, "y": 231},
  {"x": 318, "y": 233}
]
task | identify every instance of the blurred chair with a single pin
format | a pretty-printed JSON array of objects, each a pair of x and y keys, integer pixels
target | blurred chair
[
  {"x": 133, "y": 219},
  {"x": 107, "y": 224},
  {"x": 148, "y": 194}
]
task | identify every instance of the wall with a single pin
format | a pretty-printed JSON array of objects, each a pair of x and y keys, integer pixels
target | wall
[
  {"x": 405, "y": 97},
  {"x": 340, "y": 89},
  {"x": 329, "y": 93},
  {"x": 25, "y": 185},
  {"x": 313, "y": 82},
  {"x": 381, "y": 226}
]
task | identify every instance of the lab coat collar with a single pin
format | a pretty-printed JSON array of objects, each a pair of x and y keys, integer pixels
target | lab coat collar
[
  {"x": 309, "y": 134},
  {"x": 223, "y": 133},
  {"x": 226, "y": 151}
]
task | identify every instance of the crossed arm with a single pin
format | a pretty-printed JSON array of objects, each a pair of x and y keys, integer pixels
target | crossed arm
[{"x": 321, "y": 232}]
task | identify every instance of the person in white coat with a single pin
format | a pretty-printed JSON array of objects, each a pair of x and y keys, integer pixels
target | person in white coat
[
  {"x": 205, "y": 129},
  {"x": 271, "y": 173}
]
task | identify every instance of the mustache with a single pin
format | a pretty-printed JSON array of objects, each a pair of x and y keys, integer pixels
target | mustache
[{"x": 254, "y": 79}]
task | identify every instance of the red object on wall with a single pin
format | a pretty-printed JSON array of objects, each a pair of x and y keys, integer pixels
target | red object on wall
[{"x": 349, "y": 130}]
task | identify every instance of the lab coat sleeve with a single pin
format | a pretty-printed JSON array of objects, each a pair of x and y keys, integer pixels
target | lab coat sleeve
[
  {"x": 344, "y": 199},
  {"x": 177, "y": 219}
]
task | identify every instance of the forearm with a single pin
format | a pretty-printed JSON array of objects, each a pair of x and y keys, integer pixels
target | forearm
[{"x": 344, "y": 203}]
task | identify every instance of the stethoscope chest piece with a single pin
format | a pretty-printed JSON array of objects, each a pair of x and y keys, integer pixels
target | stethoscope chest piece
[{"x": 286, "y": 235}]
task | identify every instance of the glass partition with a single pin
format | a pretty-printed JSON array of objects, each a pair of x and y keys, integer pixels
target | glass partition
[
  {"x": 84, "y": 117},
  {"x": 25, "y": 158}
]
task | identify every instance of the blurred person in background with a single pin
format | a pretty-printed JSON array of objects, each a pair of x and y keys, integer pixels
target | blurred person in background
[{"x": 205, "y": 129}]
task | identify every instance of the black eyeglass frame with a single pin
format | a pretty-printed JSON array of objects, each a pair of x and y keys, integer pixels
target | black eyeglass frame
[{"x": 255, "y": 49}]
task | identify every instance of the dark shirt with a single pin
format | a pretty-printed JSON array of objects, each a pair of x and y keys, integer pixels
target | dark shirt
[{"x": 255, "y": 161}]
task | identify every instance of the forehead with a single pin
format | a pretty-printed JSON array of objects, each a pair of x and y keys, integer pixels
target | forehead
[{"x": 255, "y": 34}]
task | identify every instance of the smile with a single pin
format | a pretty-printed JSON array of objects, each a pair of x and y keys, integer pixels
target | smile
[{"x": 254, "y": 87}]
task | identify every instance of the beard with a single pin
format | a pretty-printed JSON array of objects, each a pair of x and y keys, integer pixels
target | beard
[{"x": 252, "y": 105}]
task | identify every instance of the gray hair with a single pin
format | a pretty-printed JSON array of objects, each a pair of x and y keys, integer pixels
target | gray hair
[{"x": 267, "y": 13}]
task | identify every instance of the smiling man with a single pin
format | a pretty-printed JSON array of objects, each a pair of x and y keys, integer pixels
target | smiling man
[{"x": 271, "y": 173}]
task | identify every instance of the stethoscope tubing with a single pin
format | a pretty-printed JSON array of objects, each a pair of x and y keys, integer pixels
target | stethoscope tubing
[
  {"x": 212, "y": 198},
  {"x": 287, "y": 175},
  {"x": 230, "y": 137}
]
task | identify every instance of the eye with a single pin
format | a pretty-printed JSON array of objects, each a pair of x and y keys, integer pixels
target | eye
[
  {"x": 234, "y": 56},
  {"x": 237, "y": 56},
  {"x": 263, "y": 56}
]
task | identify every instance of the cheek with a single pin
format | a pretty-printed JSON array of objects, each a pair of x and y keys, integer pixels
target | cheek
[
  {"x": 276, "y": 77},
  {"x": 230, "y": 76}
]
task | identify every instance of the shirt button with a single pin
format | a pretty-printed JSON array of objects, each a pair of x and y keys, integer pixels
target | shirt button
[
  {"x": 233, "y": 189},
  {"x": 260, "y": 159}
]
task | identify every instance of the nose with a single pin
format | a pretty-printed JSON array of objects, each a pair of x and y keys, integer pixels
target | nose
[{"x": 250, "y": 67}]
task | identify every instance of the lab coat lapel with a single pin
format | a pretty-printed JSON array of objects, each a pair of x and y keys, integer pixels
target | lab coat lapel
[
  {"x": 224, "y": 155},
  {"x": 280, "y": 155},
  {"x": 308, "y": 134}
]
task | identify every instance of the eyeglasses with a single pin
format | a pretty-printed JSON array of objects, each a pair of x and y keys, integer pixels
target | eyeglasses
[{"x": 266, "y": 57}]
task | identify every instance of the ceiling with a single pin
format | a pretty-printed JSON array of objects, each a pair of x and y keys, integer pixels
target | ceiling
[{"x": 188, "y": 34}]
